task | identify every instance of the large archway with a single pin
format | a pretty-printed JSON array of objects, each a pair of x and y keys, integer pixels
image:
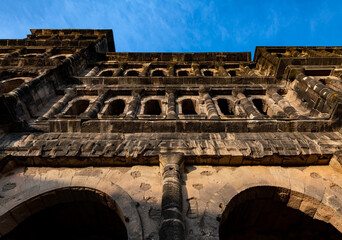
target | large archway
[
  {"x": 263, "y": 213},
  {"x": 70, "y": 213}
]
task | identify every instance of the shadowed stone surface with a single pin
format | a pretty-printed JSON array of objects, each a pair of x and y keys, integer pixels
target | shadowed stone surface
[{"x": 168, "y": 145}]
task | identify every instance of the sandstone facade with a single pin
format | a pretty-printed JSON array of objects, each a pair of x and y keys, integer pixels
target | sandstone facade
[{"x": 168, "y": 145}]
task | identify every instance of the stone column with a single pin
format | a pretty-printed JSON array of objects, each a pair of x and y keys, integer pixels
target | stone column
[
  {"x": 96, "y": 106},
  {"x": 171, "y": 105},
  {"x": 248, "y": 106},
  {"x": 209, "y": 104},
  {"x": 145, "y": 71},
  {"x": 119, "y": 71},
  {"x": 275, "y": 111},
  {"x": 171, "y": 70},
  {"x": 195, "y": 70},
  {"x": 221, "y": 71},
  {"x": 48, "y": 53},
  {"x": 133, "y": 105},
  {"x": 283, "y": 103},
  {"x": 316, "y": 85},
  {"x": 172, "y": 225},
  {"x": 92, "y": 72},
  {"x": 70, "y": 93}
]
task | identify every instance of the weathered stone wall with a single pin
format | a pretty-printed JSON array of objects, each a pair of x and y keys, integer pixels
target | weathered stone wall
[
  {"x": 175, "y": 145},
  {"x": 206, "y": 193}
]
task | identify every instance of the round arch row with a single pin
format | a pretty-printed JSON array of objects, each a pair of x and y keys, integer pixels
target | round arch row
[
  {"x": 77, "y": 211},
  {"x": 282, "y": 203},
  {"x": 286, "y": 205}
]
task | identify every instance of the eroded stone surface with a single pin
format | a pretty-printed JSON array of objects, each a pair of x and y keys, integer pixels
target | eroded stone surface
[{"x": 80, "y": 122}]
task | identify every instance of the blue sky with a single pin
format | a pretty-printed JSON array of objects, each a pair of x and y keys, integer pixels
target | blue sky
[{"x": 183, "y": 25}]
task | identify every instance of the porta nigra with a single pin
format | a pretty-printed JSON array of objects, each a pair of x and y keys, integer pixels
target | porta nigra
[{"x": 98, "y": 144}]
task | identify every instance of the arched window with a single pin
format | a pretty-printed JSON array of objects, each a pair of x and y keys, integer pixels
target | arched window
[
  {"x": 183, "y": 73},
  {"x": 132, "y": 73},
  {"x": 107, "y": 73},
  {"x": 116, "y": 107},
  {"x": 260, "y": 105},
  {"x": 10, "y": 84},
  {"x": 78, "y": 107},
  {"x": 158, "y": 73},
  {"x": 152, "y": 107},
  {"x": 208, "y": 73},
  {"x": 188, "y": 107},
  {"x": 59, "y": 57},
  {"x": 262, "y": 213},
  {"x": 70, "y": 213},
  {"x": 225, "y": 107},
  {"x": 232, "y": 73}
]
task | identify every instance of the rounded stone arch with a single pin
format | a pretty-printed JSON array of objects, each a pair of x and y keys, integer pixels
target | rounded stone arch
[
  {"x": 39, "y": 198},
  {"x": 265, "y": 211},
  {"x": 291, "y": 187}
]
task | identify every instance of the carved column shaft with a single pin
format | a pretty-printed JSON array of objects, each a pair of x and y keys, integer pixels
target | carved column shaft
[
  {"x": 92, "y": 72},
  {"x": 210, "y": 106},
  {"x": 171, "y": 106},
  {"x": 172, "y": 225},
  {"x": 195, "y": 69},
  {"x": 283, "y": 103},
  {"x": 222, "y": 71},
  {"x": 171, "y": 70},
  {"x": 48, "y": 53},
  {"x": 132, "y": 106},
  {"x": 95, "y": 107},
  {"x": 248, "y": 106},
  {"x": 145, "y": 70},
  {"x": 316, "y": 85},
  {"x": 275, "y": 110},
  {"x": 57, "y": 107}
]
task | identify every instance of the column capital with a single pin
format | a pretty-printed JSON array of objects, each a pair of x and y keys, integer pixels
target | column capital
[{"x": 175, "y": 159}]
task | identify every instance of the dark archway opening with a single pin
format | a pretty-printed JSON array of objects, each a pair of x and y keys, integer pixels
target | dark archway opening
[
  {"x": 11, "y": 84},
  {"x": 260, "y": 105},
  {"x": 132, "y": 73},
  {"x": 158, "y": 73},
  {"x": 232, "y": 73},
  {"x": 78, "y": 107},
  {"x": 152, "y": 107},
  {"x": 116, "y": 107},
  {"x": 108, "y": 73},
  {"x": 264, "y": 218},
  {"x": 225, "y": 107},
  {"x": 81, "y": 218},
  {"x": 183, "y": 73},
  {"x": 188, "y": 107},
  {"x": 208, "y": 73},
  {"x": 77, "y": 220},
  {"x": 60, "y": 58}
]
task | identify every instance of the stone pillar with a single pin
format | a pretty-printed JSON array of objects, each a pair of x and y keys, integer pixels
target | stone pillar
[
  {"x": 95, "y": 107},
  {"x": 284, "y": 104},
  {"x": 172, "y": 225},
  {"x": 171, "y": 105},
  {"x": 316, "y": 85},
  {"x": 144, "y": 72},
  {"x": 222, "y": 71},
  {"x": 274, "y": 110},
  {"x": 171, "y": 70},
  {"x": 133, "y": 105},
  {"x": 119, "y": 71},
  {"x": 195, "y": 70},
  {"x": 92, "y": 72},
  {"x": 70, "y": 93},
  {"x": 48, "y": 53},
  {"x": 248, "y": 106},
  {"x": 250, "y": 72},
  {"x": 209, "y": 105}
]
